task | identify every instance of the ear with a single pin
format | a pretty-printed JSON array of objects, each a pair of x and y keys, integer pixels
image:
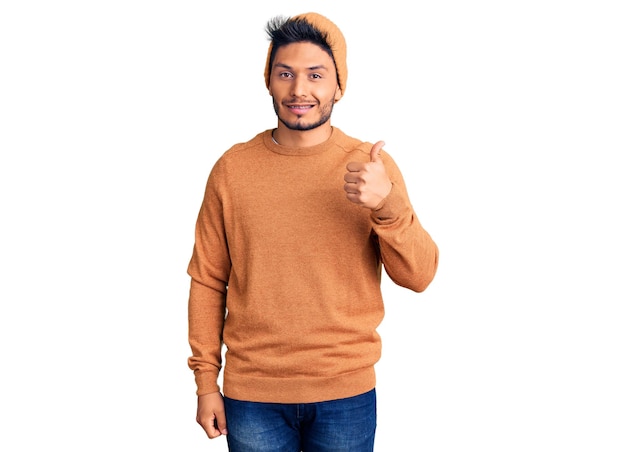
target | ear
[{"x": 338, "y": 94}]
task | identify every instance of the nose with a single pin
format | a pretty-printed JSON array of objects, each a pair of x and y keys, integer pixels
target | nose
[{"x": 298, "y": 87}]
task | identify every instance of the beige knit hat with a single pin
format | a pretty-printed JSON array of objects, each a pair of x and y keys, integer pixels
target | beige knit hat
[{"x": 335, "y": 40}]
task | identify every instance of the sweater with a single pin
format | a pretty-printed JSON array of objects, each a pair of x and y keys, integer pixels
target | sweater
[{"x": 286, "y": 272}]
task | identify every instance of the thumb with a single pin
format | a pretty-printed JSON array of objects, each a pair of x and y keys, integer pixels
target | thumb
[{"x": 375, "y": 152}]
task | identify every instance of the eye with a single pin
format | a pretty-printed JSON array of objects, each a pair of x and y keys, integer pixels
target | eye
[
  {"x": 285, "y": 75},
  {"x": 316, "y": 76}
]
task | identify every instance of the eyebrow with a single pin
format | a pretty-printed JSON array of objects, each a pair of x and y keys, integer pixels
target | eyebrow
[{"x": 312, "y": 68}]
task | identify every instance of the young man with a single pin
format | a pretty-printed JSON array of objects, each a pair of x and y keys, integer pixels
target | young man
[{"x": 294, "y": 229}]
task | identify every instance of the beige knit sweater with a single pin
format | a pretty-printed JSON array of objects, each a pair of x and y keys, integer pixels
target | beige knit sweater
[{"x": 286, "y": 272}]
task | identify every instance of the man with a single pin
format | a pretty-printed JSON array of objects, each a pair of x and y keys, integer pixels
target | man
[{"x": 294, "y": 229}]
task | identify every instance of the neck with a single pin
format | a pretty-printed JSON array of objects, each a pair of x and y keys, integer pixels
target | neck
[{"x": 301, "y": 138}]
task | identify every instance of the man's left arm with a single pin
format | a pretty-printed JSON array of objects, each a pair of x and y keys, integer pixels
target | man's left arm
[{"x": 408, "y": 252}]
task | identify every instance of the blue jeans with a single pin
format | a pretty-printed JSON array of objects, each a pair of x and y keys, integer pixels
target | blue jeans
[{"x": 334, "y": 426}]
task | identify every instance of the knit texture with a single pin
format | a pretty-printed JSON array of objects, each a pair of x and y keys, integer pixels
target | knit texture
[
  {"x": 290, "y": 271},
  {"x": 334, "y": 38}
]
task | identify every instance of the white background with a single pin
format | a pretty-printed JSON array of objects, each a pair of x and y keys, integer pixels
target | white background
[{"x": 507, "y": 117}]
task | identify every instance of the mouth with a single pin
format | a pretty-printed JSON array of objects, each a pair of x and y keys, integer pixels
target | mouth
[{"x": 299, "y": 109}]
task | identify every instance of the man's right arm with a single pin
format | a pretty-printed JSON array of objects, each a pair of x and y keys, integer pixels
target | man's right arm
[{"x": 209, "y": 269}]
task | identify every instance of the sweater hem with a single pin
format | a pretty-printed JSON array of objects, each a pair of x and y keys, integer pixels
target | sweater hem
[{"x": 298, "y": 390}]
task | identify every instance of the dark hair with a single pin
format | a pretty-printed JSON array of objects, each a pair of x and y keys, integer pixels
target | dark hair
[{"x": 284, "y": 30}]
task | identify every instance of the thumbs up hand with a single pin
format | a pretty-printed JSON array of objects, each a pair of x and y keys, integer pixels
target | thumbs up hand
[{"x": 367, "y": 184}]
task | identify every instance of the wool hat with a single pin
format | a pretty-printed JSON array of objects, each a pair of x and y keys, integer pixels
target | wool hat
[{"x": 335, "y": 39}]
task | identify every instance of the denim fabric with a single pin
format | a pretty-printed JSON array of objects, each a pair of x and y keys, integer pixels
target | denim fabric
[{"x": 334, "y": 426}]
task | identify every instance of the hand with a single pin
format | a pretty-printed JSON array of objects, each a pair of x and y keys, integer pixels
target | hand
[
  {"x": 367, "y": 184},
  {"x": 211, "y": 415}
]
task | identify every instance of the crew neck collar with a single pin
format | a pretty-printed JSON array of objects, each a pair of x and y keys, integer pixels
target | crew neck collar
[{"x": 273, "y": 146}]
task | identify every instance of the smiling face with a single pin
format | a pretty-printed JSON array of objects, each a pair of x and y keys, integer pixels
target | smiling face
[{"x": 303, "y": 85}]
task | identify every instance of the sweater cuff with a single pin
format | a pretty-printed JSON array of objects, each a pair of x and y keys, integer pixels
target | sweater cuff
[
  {"x": 206, "y": 383},
  {"x": 390, "y": 208}
]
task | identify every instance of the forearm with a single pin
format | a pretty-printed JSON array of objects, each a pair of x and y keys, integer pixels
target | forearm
[
  {"x": 206, "y": 322},
  {"x": 408, "y": 252}
]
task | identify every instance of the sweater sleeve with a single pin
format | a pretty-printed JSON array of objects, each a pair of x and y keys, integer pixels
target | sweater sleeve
[
  {"x": 209, "y": 269},
  {"x": 409, "y": 254}
]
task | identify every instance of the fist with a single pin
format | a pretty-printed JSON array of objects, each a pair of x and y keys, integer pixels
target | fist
[{"x": 367, "y": 183}]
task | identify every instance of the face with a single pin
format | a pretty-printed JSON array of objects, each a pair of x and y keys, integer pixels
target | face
[{"x": 303, "y": 86}]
